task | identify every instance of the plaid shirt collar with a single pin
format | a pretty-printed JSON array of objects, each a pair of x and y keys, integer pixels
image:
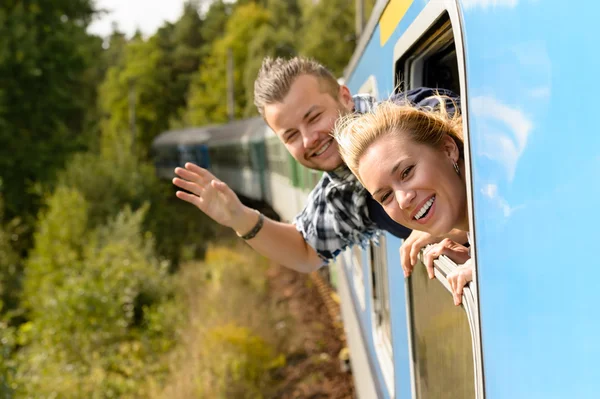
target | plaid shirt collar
[{"x": 336, "y": 215}]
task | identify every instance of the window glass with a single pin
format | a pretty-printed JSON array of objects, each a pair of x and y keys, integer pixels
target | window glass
[{"x": 442, "y": 345}]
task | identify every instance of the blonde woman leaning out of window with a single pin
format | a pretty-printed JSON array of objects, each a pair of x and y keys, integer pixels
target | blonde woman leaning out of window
[{"x": 411, "y": 160}]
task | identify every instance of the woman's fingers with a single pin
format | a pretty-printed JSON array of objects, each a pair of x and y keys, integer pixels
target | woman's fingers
[
  {"x": 431, "y": 254},
  {"x": 414, "y": 252},
  {"x": 405, "y": 260}
]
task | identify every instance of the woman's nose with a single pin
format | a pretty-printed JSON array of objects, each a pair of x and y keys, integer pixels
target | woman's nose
[{"x": 404, "y": 198}]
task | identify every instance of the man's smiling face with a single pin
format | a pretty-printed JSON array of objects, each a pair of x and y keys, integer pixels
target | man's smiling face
[{"x": 304, "y": 121}]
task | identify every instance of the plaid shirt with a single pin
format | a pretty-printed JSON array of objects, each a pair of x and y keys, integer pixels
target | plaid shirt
[{"x": 336, "y": 215}]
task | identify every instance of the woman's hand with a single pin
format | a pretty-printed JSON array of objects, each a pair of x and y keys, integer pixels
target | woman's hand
[
  {"x": 459, "y": 254},
  {"x": 409, "y": 251},
  {"x": 459, "y": 278},
  {"x": 209, "y": 194}
]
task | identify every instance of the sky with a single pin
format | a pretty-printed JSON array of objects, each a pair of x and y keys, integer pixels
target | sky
[{"x": 148, "y": 15}]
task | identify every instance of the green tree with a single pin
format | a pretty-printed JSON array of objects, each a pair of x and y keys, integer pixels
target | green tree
[
  {"x": 277, "y": 38},
  {"x": 44, "y": 55},
  {"x": 98, "y": 303},
  {"x": 207, "y": 102},
  {"x": 328, "y": 32}
]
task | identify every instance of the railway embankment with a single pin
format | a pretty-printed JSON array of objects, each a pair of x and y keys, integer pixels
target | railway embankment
[{"x": 254, "y": 329}]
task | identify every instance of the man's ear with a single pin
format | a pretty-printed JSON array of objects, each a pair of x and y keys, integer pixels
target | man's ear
[{"x": 345, "y": 97}]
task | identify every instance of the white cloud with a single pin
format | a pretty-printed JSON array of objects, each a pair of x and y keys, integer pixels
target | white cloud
[
  {"x": 491, "y": 191},
  {"x": 147, "y": 15},
  {"x": 505, "y": 131},
  {"x": 488, "y": 3},
  {"x": 540, "y": 93}
]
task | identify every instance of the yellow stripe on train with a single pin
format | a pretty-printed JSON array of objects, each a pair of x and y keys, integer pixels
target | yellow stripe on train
[{"x": 391, "y": 17}]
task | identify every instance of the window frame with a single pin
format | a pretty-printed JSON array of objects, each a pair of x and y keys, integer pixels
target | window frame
[{"x": 424, "y": 37}]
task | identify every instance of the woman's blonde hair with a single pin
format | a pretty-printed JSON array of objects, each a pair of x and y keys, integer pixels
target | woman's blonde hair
[{"x": 355, "y": 133}]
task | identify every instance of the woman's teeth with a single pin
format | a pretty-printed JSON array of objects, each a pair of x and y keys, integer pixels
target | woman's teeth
[
  {"x": 323, "y": 149},
  {"x": 425, "y": 208}
]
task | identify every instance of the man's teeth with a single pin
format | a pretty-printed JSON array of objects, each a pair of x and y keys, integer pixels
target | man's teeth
[
  {"x": 323, "y": 149},
  {"x": 425, "y": 208}
]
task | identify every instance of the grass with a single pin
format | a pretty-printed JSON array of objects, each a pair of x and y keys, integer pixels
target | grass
[{"x": 233, "y": 336}]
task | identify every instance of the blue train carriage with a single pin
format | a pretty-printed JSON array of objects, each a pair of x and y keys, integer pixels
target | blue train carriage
[
  {"x": 176, "y": 147},
  {"x": 513, "y": 63}
]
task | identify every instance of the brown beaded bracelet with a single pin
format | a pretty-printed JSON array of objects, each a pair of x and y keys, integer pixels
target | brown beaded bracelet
[{"x": 252, "y": 233}]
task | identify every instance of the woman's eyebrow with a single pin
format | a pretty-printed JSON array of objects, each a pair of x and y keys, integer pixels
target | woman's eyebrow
[
  {"x": 393, "y": 171},
  {"x": 396, "y": 167}
]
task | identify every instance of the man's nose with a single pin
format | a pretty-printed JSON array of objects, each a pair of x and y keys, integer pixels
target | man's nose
[
  {"x": 310, "y": 138},
  {"x": 404, "y": 198}
]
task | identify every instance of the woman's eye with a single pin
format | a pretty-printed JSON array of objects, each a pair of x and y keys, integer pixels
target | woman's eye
[
  {"x": 384, "y": 197},
  {"x": 406, "y": 172}
]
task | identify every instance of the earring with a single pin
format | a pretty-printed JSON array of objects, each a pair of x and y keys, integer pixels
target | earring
[{"x": 456, "y": 169}]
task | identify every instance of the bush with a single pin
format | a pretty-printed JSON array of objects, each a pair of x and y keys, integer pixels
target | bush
[
  {"x": 100, "y": 303},
  {"x": 229, "y": 346},
  {"x": 115, "y": 178}
]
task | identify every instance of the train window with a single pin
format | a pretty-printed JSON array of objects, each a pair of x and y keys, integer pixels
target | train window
[
  {"x": 442, "y": 339},
  {"x": 381, "y": 309},
  {"x": 431, "y": 62},
  {"x": 277, "y": 157},
  {"x": 445, "y": 340}
]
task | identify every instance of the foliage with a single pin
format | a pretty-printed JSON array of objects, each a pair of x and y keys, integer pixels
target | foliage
[
  {"x": 44, "y": 97},
  {"x": 10, "y": 263},
  {"x": 228, "y": 351},
  {"x": 115, "y": 178},
  {"x": 207, "y": 102},
  {"x": 328, "y": 33},
  {"x": 99, "y": 307},
  {"x": 151, "y": 81}
]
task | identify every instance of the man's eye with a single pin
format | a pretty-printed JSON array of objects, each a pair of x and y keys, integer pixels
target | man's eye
[
  {"x": 314, "y": 118},
  {"x": 406, "y": 172},
  {"x": 290, "y": 137}
]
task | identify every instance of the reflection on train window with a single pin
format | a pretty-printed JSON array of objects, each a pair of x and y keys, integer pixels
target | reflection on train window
[
  {"x": 442, "y": 344},
  {"x": 277, "y": 157},
  {"x": 381, "y": 296},
  {"x": 357, "y": 272},
  {"x": 232, "y": 155},
  {"x": 381, "y": 310}
]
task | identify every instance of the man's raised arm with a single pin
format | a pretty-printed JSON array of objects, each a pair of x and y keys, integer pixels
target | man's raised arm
[{"x": 280, "y": 242}]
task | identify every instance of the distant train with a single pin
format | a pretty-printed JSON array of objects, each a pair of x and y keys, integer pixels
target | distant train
[
  {"x": 247, "y": 155},
  {"x": 528, "y": 325}
]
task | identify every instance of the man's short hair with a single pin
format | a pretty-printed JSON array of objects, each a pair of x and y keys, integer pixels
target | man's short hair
[{"x": 276, "y": 76}]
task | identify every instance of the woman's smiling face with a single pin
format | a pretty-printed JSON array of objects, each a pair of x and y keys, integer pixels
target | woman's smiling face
[{"x": 416, "y": 183}]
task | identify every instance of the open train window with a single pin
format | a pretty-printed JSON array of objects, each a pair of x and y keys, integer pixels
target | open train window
[
  {"x": 381, "y": 310},
  {"x": 431, "y": 61},
  {"x": 445, "y": 340}
]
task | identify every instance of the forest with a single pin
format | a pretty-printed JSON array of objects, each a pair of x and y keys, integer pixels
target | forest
[{"x": 92, "y": 246}]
